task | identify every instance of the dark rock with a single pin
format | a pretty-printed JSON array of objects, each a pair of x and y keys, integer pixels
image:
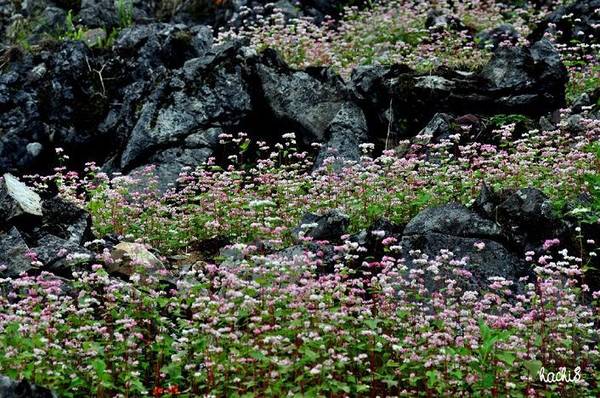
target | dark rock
[
  {"x": 305, "y": 101},
  {"x": 399, "y": 102},
  {"x": 345, "y": 133},
  {"x": 493, "y": 37},
  {"x": 59, "y": 255},
  {"x": 322, "y": 254},
  {"x": 371, "y": 239},
  {"x": 526, "y": 216},
  {"x": 439, "y": 128},
  {"x": 22, "y": 389},
  {"x": 494, "y": 260},
  {"x": 169, "y": 163},
  {"x": 52, "y": 21},
  {"x": 455, "y": 220},
  {"x": 109, "y": 14},
  {"x": 17, "y": 201},
  {"x": 329, "y": 226},
  {"x": 149, "y": 49},
  {"x": 522, "y": 77},
  {"x": 529, "y": 211},
  {"x": 207, "y": 92},
  {"x": 577, "y": 21},
  {"x": 53, "y": 98},
  {"x": 66, "y": 220},
  {"x": 12, "y": 255}
]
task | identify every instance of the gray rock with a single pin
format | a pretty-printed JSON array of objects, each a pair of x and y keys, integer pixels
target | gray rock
[
  {"x": 328, "y": 226},
  {"x": 10, "y": 388},
  {"x": 575, "y": 21},
  {"x": 493, "y": 260},
  {"x": 508, "y": 69},
  {"x": 209, "y": 92},
  {"x": 17, "y": 200},
  {"x": 308, "y": 103},
  {"x": 34, "y": 149},
  {"x": 52, "y": 20},
  {"x": 108, "y": 14},
  {"x": 455, "y": 220},
  {"x": 66, "y": 220},
  {"x": 169, "y": 163},
  {"x": 529, "y": 209},
  {"x": 59, "y": 255},
  {"x": 437, "y": 129},
  {"x": 346, "y": 132},
  {"x": 12, "y": 254}
]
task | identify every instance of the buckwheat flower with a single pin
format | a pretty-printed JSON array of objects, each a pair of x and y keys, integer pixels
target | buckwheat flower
[
  {"x": 479, "y": 245},
  {"x": 550, "y": 243},
  {"x": 378, "y": 233},
  {"x": 96, "y": 267}
]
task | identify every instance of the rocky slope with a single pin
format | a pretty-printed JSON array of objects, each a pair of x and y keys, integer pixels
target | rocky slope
[{"x": 164, "y": 94}]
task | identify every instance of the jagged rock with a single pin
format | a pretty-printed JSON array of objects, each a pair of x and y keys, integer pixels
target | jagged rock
[
  {"x": 66, "y": 220},
  {"x": 108, "y": 14},
  {"x": 493, "y": 37},
  {"x": 59, "y": 255},
  {"x": 17, "y": 200},
  {"x": 453, "y": 219},
  {"x": 345, "y": 133},
  {"x": 52, "y": 97},
  {"x": 169, "y": 163},
  {"x": 328, "y": 226},
  {"x": 305, "y": 101},
  {"x": 399, "y": 102},
  {"x": 149, "y": 49},
  {"x": 528, "y": 211},
  {"x": 438, "y": 128},
  {"x": 12, "y": 255},
  {"x": 577, "y": 21},
  {"x": 466, "y": 234},
  {"x": 22, "y": 389},
  {"x": 52, "y": 20},
  {"x": 207, "y": 92}
]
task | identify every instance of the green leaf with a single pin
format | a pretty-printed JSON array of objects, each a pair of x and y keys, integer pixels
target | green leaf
[
  {"x": 506, "y": 357},
  {"x": 533, "y": 367}
]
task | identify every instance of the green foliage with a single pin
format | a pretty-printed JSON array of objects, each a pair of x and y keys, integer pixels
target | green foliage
[
  {"x": 505, "y": 119},
  {"x": 124, "y": 12}
]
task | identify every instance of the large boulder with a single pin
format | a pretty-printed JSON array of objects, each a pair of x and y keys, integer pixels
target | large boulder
[
  {"x": 464, "y": 233},
  {"x": 182, "y": 113},
  {"x": 494, "y": 260},
  {"x": 304, "y": 101},
  {"x": 399, "y": 102},
  {"x": 526, "y": 216},
  {"x": 51, "y": 98},
  {"x": 314, "y": 103},
  {"x": 576, "y": 21},
  {"x": 455, "y": 220}
]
